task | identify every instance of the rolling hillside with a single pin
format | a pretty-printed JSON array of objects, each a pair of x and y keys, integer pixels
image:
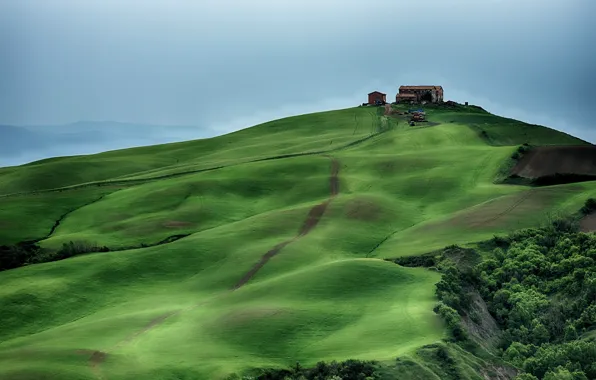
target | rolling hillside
[{"x": 259, "y": 248}]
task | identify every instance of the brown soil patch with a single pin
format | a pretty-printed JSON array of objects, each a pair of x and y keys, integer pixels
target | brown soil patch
[
  {"x": 274, "y": 251},
  {"x": 388, "y": 110},
  {"x": 153, "y": 323},
  {"x": 97, "y": 357},
  {"x": 362, "y": 209},
  {"x": 334, "y": 179},
  {"x": 176, "y": 224},
  {"x": 95, "y": 360},
  {"x": 588, "y": 223},
  {"x": 314, "y": 216},
  {"x": 551, "y": 160}
]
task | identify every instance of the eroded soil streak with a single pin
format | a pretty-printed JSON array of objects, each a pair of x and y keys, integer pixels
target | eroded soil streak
[{"x": 314, "y": 216}]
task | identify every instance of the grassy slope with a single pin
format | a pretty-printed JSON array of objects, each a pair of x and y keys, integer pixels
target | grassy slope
[
  {"x": 325, "y": 296},
  {"x": 300, "y": 134}
]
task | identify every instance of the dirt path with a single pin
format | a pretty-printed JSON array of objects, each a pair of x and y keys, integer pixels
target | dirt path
[
  {"x": 314, "y": 216},
  {"x": 388, "y": 109}
]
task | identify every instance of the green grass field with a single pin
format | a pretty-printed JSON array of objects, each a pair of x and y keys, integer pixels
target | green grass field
[{"x": 171, "y": 311}]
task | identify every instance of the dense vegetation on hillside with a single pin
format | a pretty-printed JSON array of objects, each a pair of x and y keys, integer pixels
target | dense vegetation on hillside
[{"x": 540, "y": 286}]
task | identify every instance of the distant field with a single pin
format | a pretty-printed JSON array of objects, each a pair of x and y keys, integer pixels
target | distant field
[{"x": 283, "y": 236}]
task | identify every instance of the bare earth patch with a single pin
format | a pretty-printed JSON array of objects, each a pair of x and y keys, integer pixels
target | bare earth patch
[
  {"x": 550, "y": 160},
  {"x": 588, "y": 223},
  {"x": 95, "y": 360},
  {"x": 363, "y": 209},
  {"x": 388, "y": 110},
  {"x": 314, "y": 216}
]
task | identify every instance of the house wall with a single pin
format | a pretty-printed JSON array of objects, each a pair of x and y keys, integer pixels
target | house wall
[
  {"x": 437, "y": 94},
  {"x": 372, "y": 98}
]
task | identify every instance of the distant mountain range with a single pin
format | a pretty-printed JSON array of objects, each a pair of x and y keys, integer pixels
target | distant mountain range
[{"x": 19, "y": 145}]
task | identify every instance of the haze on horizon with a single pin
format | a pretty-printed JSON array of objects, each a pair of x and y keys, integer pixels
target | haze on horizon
[{"x": 225, "y": 65}]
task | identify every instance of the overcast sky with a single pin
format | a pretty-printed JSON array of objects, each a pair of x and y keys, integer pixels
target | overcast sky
[{"x": 229, "y": 64}]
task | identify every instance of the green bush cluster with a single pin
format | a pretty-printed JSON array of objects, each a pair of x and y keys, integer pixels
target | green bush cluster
[
  {"x": 348, "y": 370},
  {"x": 541, "y": 288},
  {"x": 589, "y": 207},
  {"x": 521, "y": 150},
  {"x": 26, "y": 253}
]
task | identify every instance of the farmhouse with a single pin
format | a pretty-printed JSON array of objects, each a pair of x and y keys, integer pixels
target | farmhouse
[
  {"x": 377, "y": 97},
  {"x": 419, "y": 94}
]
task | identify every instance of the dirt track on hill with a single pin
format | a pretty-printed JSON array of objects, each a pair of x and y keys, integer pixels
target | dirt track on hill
[
  {"x": 551, "y": 160},
  {"x": 314, "y": 216},
  {"x": 388, "y": 110}
]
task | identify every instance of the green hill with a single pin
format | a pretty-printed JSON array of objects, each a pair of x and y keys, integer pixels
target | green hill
[{"x": 258, "y": 248}]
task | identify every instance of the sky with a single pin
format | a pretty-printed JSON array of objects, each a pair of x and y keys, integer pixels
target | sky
[{"x": 225, "y": 65}]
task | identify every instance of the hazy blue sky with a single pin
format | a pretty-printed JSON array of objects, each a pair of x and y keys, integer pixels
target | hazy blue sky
[{"x": 230, "y": 64}]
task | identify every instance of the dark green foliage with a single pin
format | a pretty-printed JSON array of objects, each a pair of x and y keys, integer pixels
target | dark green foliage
[
  {"x": 445, "y": 362},
  {"x": 348, "y": 370},
  {"x": 540, "y": 285},
  {"x": 588, "y": 207},
  {"x": 453, "y": 321},
  {"x": 14, "y": 256},
  {"x": 426, "y": 261},
  {"x": 521, "y": 150},
  {"x": 526, "y": 376},
  {"x": 74, "y": 248},
  {"x": 25, "y": 253},
  {"x": 562, "y": 373},
  {"x": 453, "y": 291},
  {"x": 503, "y": 175}
]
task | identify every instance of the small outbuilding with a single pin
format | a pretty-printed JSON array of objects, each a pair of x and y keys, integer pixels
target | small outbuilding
[{"x": 377, "y": 97}]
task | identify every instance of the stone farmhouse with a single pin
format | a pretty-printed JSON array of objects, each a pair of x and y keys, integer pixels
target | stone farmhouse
[{"x": 419, "y": 94}]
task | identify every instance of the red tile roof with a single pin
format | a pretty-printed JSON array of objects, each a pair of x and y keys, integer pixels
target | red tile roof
[
  {"x": 376, "y": 92},
  {"x": 420, "y": 87}
]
